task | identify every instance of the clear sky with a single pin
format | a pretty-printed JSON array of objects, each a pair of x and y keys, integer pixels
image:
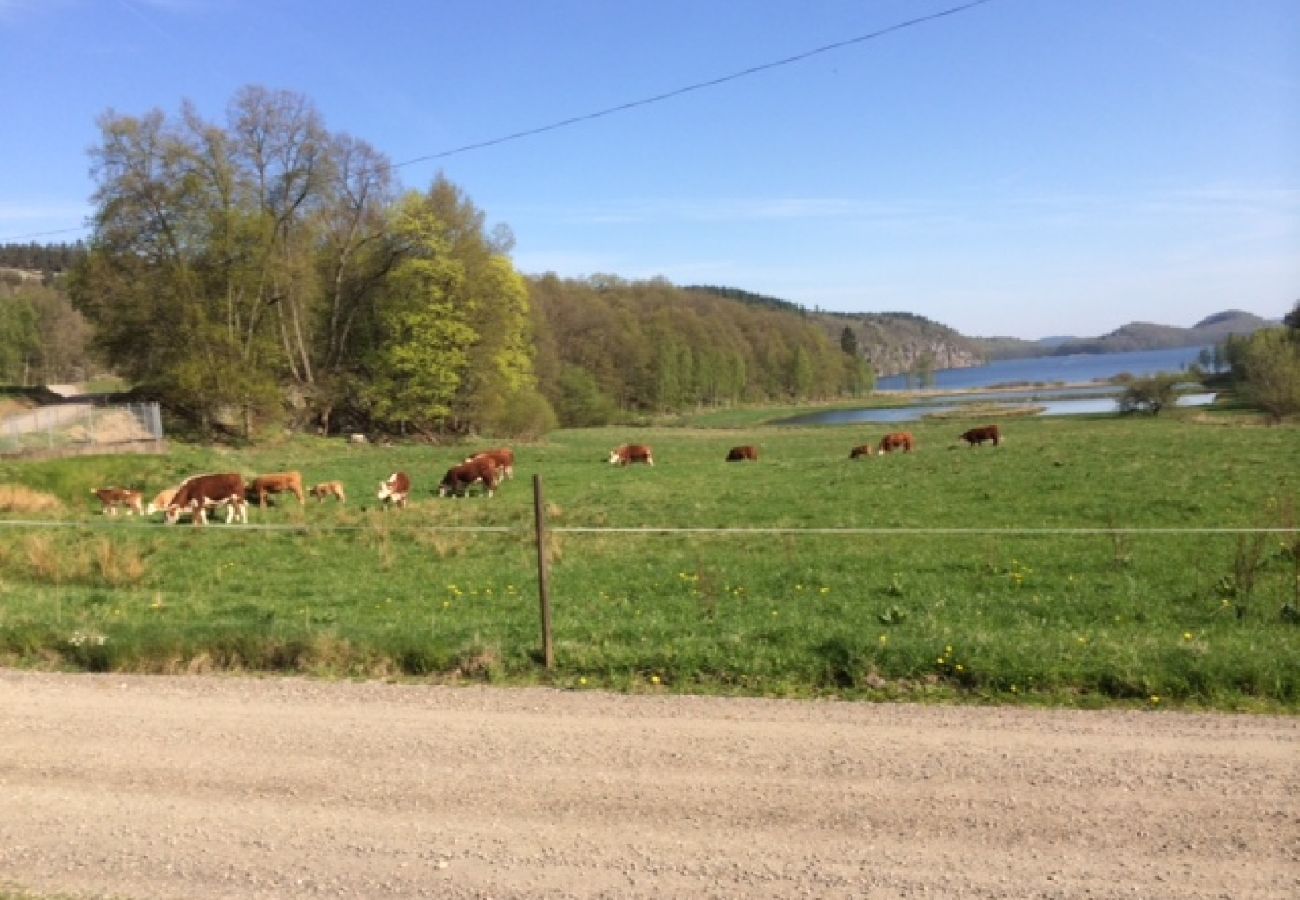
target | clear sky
[{"x": 1024, "y": 167}]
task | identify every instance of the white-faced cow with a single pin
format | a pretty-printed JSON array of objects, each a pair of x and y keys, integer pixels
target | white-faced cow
[
  {"x": 394, "y": 490},
  {"x": 111, "y": 499},
  {"x": 740, "y": 454},
  {"x": 631, "y": 453},
  {"x": 329, "y": 489},
  {"x": 277, "y": 483},
  {"x": 199, "y": 493},
  {"x": 504, "y": 458},
  {"x": 976, "y": 436},
  {"x": 478, "y": 469}
]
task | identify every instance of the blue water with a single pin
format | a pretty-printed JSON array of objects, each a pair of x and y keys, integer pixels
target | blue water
[
  {"x": 1049, "y": 369},
  {"x": 1081, "y": 405}
]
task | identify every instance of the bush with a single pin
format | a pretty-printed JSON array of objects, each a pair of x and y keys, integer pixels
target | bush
[
  {"x": 1150, "y": 394},
  {"x": 1269, "y": 372},
  {"x": 525, "y": 413}
]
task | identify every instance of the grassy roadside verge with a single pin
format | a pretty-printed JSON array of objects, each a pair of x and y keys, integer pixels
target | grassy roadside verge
[{"x": 1147, "y": 619}]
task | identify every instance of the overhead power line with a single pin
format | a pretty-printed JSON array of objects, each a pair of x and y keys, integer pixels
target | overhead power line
[
  {"x": 697, "y": 86},
  {"x": 647, "y": 101}
]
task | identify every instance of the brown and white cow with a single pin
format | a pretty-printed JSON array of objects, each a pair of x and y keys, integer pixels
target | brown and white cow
[
  {"x": 198, "y": 493},
  {"x": 113, "y": 498},
  {"x": 631, "y": 453},
  {"x": 504, "y": 458},
  {"x": 394, "y": 490},
  {"x": 984, "y": 433},
  {"x": 329, "y": 489},
  {"x": 478, "y": 469},
  {"x": 740, "y": 454},
  {"x": 277, "y": 483},
  {"x": 897, "y": 440},
  {"x": 862, "y": 450}
]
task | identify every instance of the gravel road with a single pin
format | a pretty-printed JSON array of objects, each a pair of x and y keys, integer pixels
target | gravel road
[{"x": 236, "y": 787}]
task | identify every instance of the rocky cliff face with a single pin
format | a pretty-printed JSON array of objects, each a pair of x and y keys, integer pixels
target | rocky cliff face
[{"x": 903, "y": 342}]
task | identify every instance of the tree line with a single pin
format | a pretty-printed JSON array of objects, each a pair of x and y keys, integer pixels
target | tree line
[{"x": 265, "y": 270}]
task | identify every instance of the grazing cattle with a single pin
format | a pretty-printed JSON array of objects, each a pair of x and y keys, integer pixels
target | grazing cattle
[
  {"x": 198, "y": 493},
  {"x": 897, "y": 440},
  {"x": 458, "y": 479},
  {"x": 980, "y": 435},
  {"x": 161, "y": 501},
  {"x": 277, "y": 483},
  {"x": 329, "y": 489},
  {"x": 631, "y": 453},
  {"x": 504, "y": 458},
  {"x": 739, "y": 454},
  {"x": 112, "y": 498},
  {"x": 862, "y": 450},
  {"x": 394, "y": 489}
]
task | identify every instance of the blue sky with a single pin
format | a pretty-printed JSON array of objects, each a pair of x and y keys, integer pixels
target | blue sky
[{"x": 1025, "y": 167}]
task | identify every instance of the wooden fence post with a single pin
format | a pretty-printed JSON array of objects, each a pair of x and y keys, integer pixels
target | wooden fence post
[{"x": 543, "y": 573}]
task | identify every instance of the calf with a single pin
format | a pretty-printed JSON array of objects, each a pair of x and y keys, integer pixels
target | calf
[
  {"x": 977, "y": 436},
  {"x": 739, "y": 454},
  {"x": 862, "y": 450},
  {"x": 278, "y": 483},
  {"x": 161, "y": 501},
  {"x": 458, "y": 479},
  {"x": 631, "y": 453},
  {"x": 394, "y": 490},
  {"x": 897, "y": 440},
  {"x": 199, "y": 493},
  {"x": 504, "y": 458},
  {"x": 329, "y": 489},
  {"x": 111, "y": 498}
]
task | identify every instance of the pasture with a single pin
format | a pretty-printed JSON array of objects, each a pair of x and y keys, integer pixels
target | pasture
[{"x": 979, "y": 613}]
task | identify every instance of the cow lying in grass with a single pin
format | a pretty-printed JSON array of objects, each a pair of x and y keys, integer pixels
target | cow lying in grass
[
  {"x": 862, "y": 450},
  {"x": 740, "y": 454}
]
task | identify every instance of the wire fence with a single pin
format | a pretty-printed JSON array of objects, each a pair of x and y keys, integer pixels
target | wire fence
[{"x": 83, "y": 428}]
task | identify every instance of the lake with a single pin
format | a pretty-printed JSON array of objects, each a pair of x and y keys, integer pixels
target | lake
[
  {"x": 1061, "y": 403},
  {"x": 1074, "y": 369}
]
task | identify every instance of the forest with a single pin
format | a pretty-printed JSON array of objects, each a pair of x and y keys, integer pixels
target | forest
[{"x": 265, "y": 272}]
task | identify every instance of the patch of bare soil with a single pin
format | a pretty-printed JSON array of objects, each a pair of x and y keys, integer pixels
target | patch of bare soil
[{"x": 233, "y": 787}]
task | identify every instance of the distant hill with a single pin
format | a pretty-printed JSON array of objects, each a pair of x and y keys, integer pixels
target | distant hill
[
  {"x": 1147, "y": 336},
  {"x": 1133, "y": 336},
  {"x": 896, "y": 342}
]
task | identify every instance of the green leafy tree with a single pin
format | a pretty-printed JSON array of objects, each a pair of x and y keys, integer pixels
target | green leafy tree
[
  {"x": 424, "y": 349},
  {"x": 19, "y": 339},
  {"x": 1269, "y": 372}
]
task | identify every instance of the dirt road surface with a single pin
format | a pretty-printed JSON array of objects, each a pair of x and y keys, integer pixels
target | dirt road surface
[{"x": 233, "y": 787}]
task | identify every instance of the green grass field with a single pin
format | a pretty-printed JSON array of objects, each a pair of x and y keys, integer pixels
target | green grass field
[{"x": 1084, "y": 619}]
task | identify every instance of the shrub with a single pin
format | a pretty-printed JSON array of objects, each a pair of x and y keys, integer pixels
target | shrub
[{"x": 1151, "y": 394}]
